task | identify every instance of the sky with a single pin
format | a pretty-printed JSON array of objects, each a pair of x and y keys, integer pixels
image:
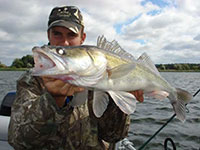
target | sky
[{"x": 167, "y": 30}]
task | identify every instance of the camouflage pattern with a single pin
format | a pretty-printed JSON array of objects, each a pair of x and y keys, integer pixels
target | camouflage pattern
[
  {"x": 67, "y": 16},
  {"x": 37, "y": 123}
]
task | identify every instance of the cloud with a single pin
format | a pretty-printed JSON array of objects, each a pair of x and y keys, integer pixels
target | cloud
[
  {"x": 168, "y": 30},
  {"x": 197, "y": 38},
  {"x": 169, "y": 34}
]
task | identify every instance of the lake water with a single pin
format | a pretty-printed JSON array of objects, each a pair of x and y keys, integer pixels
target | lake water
[{"x": 151, "y": 114}]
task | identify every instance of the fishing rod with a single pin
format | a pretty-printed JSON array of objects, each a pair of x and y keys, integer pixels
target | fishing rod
[{"x": 172, "y": 117}]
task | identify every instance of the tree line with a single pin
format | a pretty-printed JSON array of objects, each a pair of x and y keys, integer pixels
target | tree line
[
  {"x": 28, "y": 62},
  {"x": 178, "y": 67},
  {"x": 24, "y": 62}
]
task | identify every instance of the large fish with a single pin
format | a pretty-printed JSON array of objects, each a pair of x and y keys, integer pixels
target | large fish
[{"x": 107, "y": 68}]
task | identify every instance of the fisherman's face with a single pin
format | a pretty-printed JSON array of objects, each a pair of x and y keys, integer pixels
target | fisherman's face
[{"x": 61, "y": 36}]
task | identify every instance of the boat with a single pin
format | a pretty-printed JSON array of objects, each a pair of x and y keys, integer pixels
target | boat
[{"x": 5, "y": 111}]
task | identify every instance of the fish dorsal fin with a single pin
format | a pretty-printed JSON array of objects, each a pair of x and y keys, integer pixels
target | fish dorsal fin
[
  {"x": 113, "y": 47},
  {"x": 145, "y": 60}
]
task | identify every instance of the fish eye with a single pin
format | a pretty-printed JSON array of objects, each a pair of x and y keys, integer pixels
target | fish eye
[{"x": 60, "y": 51}]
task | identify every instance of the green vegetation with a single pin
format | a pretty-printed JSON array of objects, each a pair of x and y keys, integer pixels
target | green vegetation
[
  {"x": 179, "y": 67},
  {"x": 2, "y": 65},
  {"x": 13, "y": 69},
  {"x": 27, "y": 62},
  {"x": 22, "y": 64}
]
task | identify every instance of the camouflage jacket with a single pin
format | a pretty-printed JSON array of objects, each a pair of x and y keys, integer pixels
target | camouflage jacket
[{"x": 37, "y": 123}]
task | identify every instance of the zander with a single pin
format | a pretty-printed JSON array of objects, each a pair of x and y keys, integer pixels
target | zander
[{"x": 107, "y": 68}]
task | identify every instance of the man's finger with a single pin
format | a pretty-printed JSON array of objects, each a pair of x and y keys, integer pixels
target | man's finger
[{"x": 138, "y": 95}]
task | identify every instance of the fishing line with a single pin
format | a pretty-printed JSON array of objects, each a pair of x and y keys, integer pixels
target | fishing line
[{"x": 172, "y": 117}]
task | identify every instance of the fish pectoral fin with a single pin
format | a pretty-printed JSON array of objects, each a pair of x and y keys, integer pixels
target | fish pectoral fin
[
  {"x": 100, "y": 103},
  {"x": 158, "y": 94},
  {"x": 121, "y": 70},
  {"x": 124, "y": 100}
]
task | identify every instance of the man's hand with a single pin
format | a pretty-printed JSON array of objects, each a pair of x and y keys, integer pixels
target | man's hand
[
  {"x": 59, "y": 89},
  {"x": 138, "y": 95}
]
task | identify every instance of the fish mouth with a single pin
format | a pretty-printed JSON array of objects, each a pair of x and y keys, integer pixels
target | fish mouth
[{"x": 46, "y": 63}]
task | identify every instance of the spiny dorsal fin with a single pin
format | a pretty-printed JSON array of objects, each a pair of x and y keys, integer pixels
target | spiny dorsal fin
[
  {"x": 145, "y": 59},
  {"x": 113, "y": 46}
]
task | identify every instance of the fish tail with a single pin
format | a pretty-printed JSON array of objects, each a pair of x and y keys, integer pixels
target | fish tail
[{"x": 183, "y": 97}]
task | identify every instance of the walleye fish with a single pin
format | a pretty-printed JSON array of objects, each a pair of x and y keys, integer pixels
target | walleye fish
[{"x": 107, "y": 68}]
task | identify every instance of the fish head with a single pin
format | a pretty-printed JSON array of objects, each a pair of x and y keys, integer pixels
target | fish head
[{"x": 59, "y": 61}]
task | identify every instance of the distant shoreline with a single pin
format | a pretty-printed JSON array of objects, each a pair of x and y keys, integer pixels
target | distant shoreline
[
  {"x": 170, "y": 70},
  {"x": 14, "y": 69}
]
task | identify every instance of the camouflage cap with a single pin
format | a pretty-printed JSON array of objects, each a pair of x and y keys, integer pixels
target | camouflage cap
[{"x": 66, "y": 16}]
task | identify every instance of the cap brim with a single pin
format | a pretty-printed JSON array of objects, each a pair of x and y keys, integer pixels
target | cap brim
[{"x": 74, "y": 27}]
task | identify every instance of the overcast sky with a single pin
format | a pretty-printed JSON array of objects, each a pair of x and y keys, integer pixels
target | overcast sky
[{"x": 167, "y": 30}]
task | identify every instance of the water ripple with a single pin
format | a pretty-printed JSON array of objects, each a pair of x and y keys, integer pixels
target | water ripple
[{"x": 152, "y": 114}]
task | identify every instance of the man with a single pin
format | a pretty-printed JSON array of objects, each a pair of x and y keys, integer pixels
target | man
[{"x": 42, "y": 117}]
